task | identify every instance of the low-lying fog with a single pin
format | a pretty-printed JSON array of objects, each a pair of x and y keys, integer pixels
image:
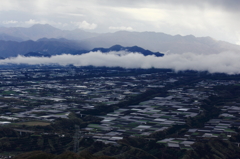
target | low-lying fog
[{"x": 226, "y": 62}]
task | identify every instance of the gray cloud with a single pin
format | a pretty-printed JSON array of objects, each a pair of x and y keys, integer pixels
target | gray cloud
[
  {"x": 215, "y": 18},
  {"x": 230, "y": 5},
  {"x": 227, "y": 62}
]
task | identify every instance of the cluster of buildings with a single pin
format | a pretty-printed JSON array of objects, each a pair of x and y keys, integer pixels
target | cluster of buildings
[
  {"x": 157, "y": 114},
  {"x": 41, "y": 93},
  {"x": 160, "y": 113},
  {"x": 46, "y": 94},
  {"x": 182, "y": 143}
]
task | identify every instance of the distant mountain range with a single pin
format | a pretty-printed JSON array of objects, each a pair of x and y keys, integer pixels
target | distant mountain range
[
  {"x": 133, "y": 49},
  {"x": 51, "y": 47},
  {"x": 39, "y": 31},
  {"x": 115, "y": 48},
  {"x": 161, "y": 42},
  {"x": 6, "y": 37},
  {"x": 49, "y": 40}
]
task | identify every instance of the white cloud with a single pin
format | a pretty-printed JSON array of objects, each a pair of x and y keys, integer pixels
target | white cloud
[
  {"x": 85, "y": 25},
  {"x": 32, "y": 22},
  {"x": 121, "y": 28},
  {"x": 143, "y": 14},
  {"x": 10, "y": 22},
  {"x": 75, "y": 14},
  {"x": 227, "y": 62}
]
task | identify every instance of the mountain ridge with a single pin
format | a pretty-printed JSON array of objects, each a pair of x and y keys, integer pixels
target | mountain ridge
[
  {"x": 13, "y": 48},
  {"x": 80, "y": 40},
  {"x": 128, "y": 49},
  {"x": 115, "y": 48},
  {"x": 161, "y": 42},
  {"x": 39, "y": 31}
]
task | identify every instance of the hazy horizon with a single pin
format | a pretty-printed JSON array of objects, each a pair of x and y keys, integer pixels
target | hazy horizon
[
  {"x": 90, "y": 31},
  {"x": 217, "y": 18}
]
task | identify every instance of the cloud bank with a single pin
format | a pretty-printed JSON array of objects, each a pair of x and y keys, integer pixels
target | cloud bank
[
  {"x": 227, "y": 62},
  {"x": 121, "y": 28},
  {"x": 85, "y": 25}
]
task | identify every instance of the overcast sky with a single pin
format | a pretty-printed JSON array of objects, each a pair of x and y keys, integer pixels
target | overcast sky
[{"x": 215, "y": 18}]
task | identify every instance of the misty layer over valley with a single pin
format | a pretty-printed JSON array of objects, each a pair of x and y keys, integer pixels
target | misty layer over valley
[{"x": 226, "y": 62}]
